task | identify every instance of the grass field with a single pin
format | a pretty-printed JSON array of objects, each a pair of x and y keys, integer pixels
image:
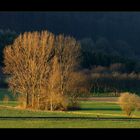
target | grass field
[
  {"x": 96, "y": 113},
  {"x": 84, "y": 118}
]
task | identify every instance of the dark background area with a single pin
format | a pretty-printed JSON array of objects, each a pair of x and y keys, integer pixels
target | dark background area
[
  {"x": 110, "y": 42},
  {"x": 114, "y": 34}
]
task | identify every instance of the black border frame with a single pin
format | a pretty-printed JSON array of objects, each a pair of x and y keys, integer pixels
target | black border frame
[{"x": 69, "y": 6}]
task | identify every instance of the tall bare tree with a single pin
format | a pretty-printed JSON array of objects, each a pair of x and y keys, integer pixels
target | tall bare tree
[
  {"x": 68, "y": 54},
  {"x": 43, "y": 68},
  {"x": 27, "y": 61}
]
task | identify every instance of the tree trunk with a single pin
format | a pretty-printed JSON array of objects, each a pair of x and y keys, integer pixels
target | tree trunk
[
  {"x": 27, "y": 100},
  {"x": 51, "y": 104},
  {"x": 37, "y": 101}
]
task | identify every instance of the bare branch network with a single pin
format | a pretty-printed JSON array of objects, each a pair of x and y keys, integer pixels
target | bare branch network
[{"x": 43, "y": 70}]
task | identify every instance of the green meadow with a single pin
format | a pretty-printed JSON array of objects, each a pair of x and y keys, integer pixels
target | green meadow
[{"x": 93, "y": 114}]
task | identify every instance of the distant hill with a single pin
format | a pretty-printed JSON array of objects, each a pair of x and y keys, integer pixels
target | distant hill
[{"x": 112, "y": 25}]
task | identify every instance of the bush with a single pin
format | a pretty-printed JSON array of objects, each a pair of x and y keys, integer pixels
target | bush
[
  {"x": 129, "y": 102},
  {"x": 54, "y": 102},
  {"x": 22, "y": 102}
]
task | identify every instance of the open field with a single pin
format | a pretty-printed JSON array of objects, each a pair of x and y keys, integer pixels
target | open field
[
  {"x": 65, "y": 123},
  {"x": 96, "y": 112},
  {"x": 110, "y": 116}
]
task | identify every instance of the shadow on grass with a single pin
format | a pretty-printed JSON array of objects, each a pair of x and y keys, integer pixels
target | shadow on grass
[{"x": 107, "y": 109}]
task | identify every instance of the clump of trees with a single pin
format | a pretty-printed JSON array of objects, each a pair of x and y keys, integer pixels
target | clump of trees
[
  {"x": 129, "y": 102},
  {"x": 43, "y": 70},
  {"x": 108, "y": 71},
  {"x": 105, "y": 53}
]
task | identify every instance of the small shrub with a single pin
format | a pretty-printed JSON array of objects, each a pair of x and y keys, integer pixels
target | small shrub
[
  {"x": 129, "y": 102},
  {"x": 54, "y": 102}
]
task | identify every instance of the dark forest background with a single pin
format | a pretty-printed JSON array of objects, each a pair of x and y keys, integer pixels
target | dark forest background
[{"x": 110, "y": 42}]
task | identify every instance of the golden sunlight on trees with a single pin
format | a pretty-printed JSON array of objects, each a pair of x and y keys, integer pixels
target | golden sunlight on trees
[
  {"x": 129, "y": 102},
  {"x": 55, "y": 100},
  {"x": 68, "y": 53},
  {"x": 42, "y": 67},
  {"x": 27, "y": 61}
]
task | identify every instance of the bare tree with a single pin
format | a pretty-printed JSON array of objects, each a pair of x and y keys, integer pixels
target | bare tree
[
  {"x": 64, "y": 75},
  {"x": 55, "y": 101},
  {"x": 41, "y": 67},
  {"x": 67, "y": 53},
  {"x": 27, "y": 61}
]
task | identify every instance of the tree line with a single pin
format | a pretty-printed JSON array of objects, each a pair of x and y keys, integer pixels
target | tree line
[{"x": 113, "y": 80}]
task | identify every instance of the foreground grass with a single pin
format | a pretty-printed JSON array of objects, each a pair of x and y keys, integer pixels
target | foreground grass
[
  {"x": 67, "y": 124},
  {"x": 89, "y": 110}
]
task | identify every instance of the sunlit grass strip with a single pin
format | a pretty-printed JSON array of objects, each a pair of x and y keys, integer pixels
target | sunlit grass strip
[{"x": 85, "y": 113}]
